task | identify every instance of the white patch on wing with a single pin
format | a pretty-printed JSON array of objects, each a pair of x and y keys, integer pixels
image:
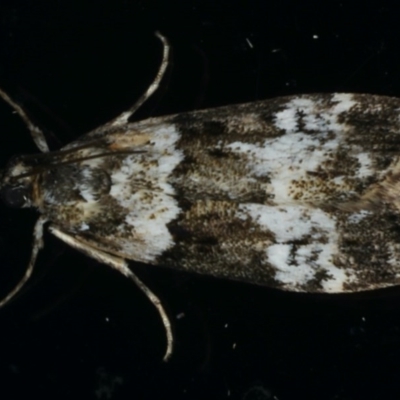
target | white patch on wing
[
  {"x": 356, "y": 217},
  {"x": 298, "y": 264},
  {"x": 285, "y": 159},
  {"x": 366, "y": 166},
  {"x": 313, "y": 115},
  {"x": 290, "y": 157},
  {"x": 84, "y": 227},
  {"x": 141, "y": 186},
  {"x": 86, "y": 191},
  {"x": 344, "y": 101}
]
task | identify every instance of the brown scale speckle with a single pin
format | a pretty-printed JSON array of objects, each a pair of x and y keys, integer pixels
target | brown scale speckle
[
  {"x": 316, "y": 283},
  {"x": 207, "y": 229},
  {"x": 236, "y": 156},
  {"x": 369, "y": 244}
]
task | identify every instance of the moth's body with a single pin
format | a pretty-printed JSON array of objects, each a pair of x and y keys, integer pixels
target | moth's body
[{"x": 298, "y": 193}]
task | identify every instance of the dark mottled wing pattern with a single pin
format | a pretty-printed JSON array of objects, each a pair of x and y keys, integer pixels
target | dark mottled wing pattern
[{"x": 299, "y": 193}]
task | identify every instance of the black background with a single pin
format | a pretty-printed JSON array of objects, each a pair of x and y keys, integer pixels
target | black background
[{"x": 79, "y": 329}]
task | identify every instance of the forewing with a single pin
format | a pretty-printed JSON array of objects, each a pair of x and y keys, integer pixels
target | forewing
[{"x": 298, "y": 193}]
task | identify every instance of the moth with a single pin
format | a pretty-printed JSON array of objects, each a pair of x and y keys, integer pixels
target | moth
[{"x": 299, "y": 193}]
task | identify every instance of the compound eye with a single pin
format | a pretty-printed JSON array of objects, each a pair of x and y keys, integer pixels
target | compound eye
[{"x": 15, "y": 196}]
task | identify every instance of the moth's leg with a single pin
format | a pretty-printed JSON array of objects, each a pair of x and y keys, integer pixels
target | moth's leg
[
  {"x": 122, "y": 119},
  {"x": 36, "y": 246},
  {"x": 120, "y": 265},
  {"x": 36, "y": 133}
]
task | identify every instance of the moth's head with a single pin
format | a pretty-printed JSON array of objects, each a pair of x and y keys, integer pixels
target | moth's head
[{"x": 17, "y": 183}]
